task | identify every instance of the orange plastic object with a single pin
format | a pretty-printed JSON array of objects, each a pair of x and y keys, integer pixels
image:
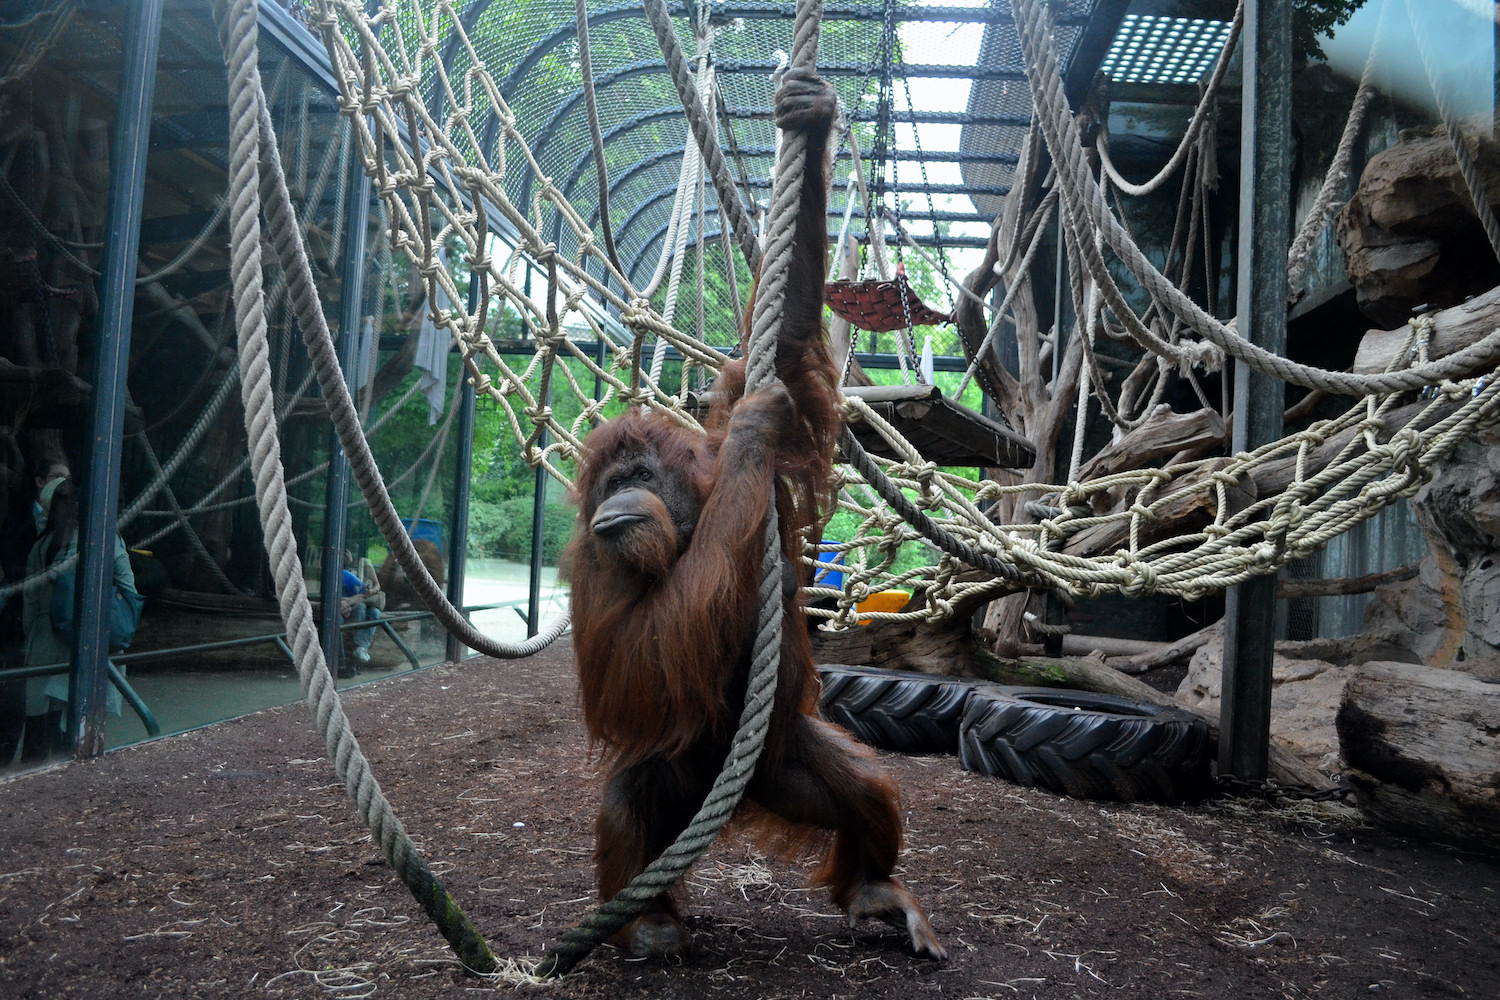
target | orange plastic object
[{"x": 884, "y": 600}]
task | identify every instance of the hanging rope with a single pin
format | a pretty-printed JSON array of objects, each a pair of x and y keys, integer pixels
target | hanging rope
[
  {"x": 1467, "y": 168},
  {"x": 760, "y": 694},
  {"x": 730, "y": 206},
  {"x": 1202, "y": 114},
  {"x": 238, "y": 29},
  {"x": 601, "y": 172},
  {"x": 1088, "y": 214}
]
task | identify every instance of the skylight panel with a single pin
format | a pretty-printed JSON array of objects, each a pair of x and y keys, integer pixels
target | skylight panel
[{"x": 1151, "y": 49}]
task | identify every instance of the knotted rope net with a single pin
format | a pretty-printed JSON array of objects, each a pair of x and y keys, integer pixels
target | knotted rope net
[{"x": 453, "y": 165}]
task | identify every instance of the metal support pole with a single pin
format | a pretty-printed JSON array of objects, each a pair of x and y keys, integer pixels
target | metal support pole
[
  {"x": 463, "y": 469},
  {"x": 458, "y": 535},
  {"x": 538, "y": 529},
  {"x": 1265, "y": 203},
  {"x": 336, "y": 493},
  {"x": 538, "y": 518},
  {"x": 93, "y": 588}
]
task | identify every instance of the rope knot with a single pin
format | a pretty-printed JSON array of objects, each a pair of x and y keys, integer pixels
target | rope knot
[
  {"x": 1142, "y": 577},
  {"x": 939, "y": 608},
  {"x": 1200, "y": 354},
  {"x": 923, "y": 474},
  {"x": 1404, "y": 450},
  {"x": 637, "y": 315}
]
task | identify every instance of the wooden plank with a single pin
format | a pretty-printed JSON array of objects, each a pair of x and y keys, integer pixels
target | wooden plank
[
  {"x": 941, "y": 430},
  {"x": 892, "y": 393}
]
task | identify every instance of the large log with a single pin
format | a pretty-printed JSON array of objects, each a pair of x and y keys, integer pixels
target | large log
[
  {"x": 1422, "y": 749},
  {"x": 1190, "y": 512},
  {"x": 1452, "y": 330},
  {"x": 1163, "y": 435}
]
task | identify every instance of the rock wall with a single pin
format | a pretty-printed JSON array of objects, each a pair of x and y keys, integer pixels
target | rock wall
[
  {"x": 1305, "y": 697},
  {"x": 1409, "y": 234},
  {"x": 1457, "y": 596}
]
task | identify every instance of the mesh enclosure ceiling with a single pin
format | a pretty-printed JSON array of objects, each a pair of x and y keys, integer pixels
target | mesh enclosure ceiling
[{"x": 953, "y": 70}]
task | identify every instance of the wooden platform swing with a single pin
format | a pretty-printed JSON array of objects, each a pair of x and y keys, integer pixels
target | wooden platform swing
[{"x": 942, "y": 430}]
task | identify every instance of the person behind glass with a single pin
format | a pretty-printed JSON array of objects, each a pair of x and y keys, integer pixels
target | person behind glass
[
  {"x": 362, "y": 600},
  {"x": 56, "y": 512},
  {"x": 17, "y": 534}
]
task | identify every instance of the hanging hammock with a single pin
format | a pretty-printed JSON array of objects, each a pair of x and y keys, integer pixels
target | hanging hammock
[{"x": 882, "y": 306}]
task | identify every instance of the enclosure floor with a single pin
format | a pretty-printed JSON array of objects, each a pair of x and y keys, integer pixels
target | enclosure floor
[{"x": 225, "y": 862}]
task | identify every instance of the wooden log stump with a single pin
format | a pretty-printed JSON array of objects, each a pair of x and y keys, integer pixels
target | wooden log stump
[{"x": 1422, "y": 748}]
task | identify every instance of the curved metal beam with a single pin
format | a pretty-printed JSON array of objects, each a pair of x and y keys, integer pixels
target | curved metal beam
[
  {"x": 541, "y": 141},
  {"x": 659, "y": 114},
  {"x": 709, "y": 235},
  {"x": 663, "y": 194},
  {"x": 748, "y": 10},
  {"x": 649, "y": 66}
]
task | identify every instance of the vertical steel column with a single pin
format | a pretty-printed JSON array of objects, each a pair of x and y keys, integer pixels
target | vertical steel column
[
  {"x": 1265, "y": 203},
  {"x": 336, "y": 494},
  {"x": 1053, "y": 610},
  {"x": 538, "y": 516},
  {"x": 458, "y": 535},
  {"x": 538, "y": 529},
  {"x": 93, "y": 588}
]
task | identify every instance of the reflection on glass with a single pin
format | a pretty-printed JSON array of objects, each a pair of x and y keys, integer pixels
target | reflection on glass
[
  {"x": 208, "y": 646},
  {"x": 58, "y": 71}
]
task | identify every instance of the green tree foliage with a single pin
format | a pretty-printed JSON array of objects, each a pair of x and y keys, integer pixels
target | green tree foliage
[{"x": 1314, "y": 19}]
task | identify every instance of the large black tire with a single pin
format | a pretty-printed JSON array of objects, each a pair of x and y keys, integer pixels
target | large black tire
[
  {"x": 896, "y": 710},
  {"x": 1085, "y": 745}
]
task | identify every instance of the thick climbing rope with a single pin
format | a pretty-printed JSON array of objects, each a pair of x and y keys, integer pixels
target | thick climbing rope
[
  {"x": 1338, "y": 170},
  {"x": 1328, "y": 195},
  {"x": 596, "y": 138},
  {"x": 238, "y": 29},
  {"x": 755, "y": 718}
]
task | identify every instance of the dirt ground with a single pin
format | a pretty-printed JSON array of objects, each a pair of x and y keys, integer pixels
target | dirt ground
[{"x": 226, "y": 863}]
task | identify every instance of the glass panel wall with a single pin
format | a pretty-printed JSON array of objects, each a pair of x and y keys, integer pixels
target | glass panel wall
[
  {"x": 58, "y": 102},
  {"x": 407, "y": 382},
  {"x": 504, "y": 511},
  {"x": 207, "y": 647}
]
